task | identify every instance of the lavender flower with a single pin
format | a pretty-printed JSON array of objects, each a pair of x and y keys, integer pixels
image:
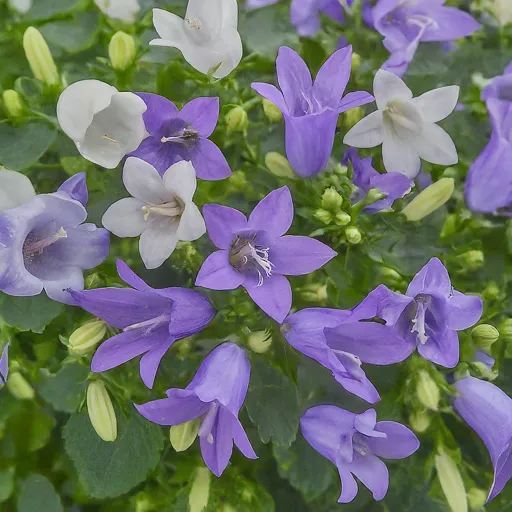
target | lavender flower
[
  {"x": 310, "y": 109},
  {"x": 151, "y": 320},
  {"x": 176, "y": 135},
  {"x": 254, "y": 253},
  {"x": 4, "y": 365},
  {"x": 394, "y": 184},
  {"x": 355, "y": 443},
  {"x": 488, "y": 411},
  {"x": 305, "y": 14},
  {"x": 44, "y": 243},
  {"x": 216, "y": 397},
  {"x": 404, "y": 24}
]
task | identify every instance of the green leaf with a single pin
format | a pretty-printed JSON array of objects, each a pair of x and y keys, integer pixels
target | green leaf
[
  {"x": 273, "y": 405},
  {"x": 46, "y": 9},
  {"x": 111, "y": 469},
  {"x": 37, "y": 493},
  {"x": 29, "y": 313},
  {"x": 23, "y": 146},
  {"x": 75, "y": 164},
  {"x": 65, "y": 390},
  {"x": 6, "y": 484}
]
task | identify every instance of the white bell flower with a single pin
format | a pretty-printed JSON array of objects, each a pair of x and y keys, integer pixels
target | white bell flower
[
  {"x": 405, "y": 126},
  {"x": 22, "y": 6},
  {"x": 161, "y": 210},
  {"x": 208, "y": 37},
  {"x": 105, "y": 124},
  {"x": 501, "y": 10},
  {"x": 15, "y": 189},
  {"x": 124, "y": 10}
]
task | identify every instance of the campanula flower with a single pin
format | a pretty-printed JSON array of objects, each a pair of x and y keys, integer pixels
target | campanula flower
[
  {"x": 208, "y": 37},
  {"x": 123, "y": 10},
  {"x": 161, "y": 210},
  {"x": 4, "y": 365},
  {"x": 215, "y": 396},
  {"x": 182, "y": 135},
  {"x": 151, "y": 320},
  {"x": 256, "y": 253},
  {"x": 406, "y": 126},
  {"x": 305, "y": 14},
  {"x": 15, "y": 189},
  {"x": 311, "y": 109},
  {"x": 355, "y": 443}
]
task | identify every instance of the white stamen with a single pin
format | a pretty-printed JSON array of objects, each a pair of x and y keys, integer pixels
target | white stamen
[
  {"x": 194, "y": 23},
  {"x": 205, "y": 430},
  {"x": 37, "y": 246},
  {"x": 418, "y": 322},
  {"x": 171, "y": 209}
]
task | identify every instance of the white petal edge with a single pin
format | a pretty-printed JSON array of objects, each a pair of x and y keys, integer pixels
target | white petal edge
[
  {"x": 192, "y": 225},
  {"x": 435, "y": 146},
  {"x": 438, "y": 104},
  {"x": 180, "y": 180},
  {"x": 144, "y": 183},
  {"x": 399, "y": 155},
  {"x": 125, "y": 218},
  {"x": 388, "y": 87},
  {"x": 367, "y": 133},
  {"x": 157, "y": 243},
  {"x": 15, "y": 189}
]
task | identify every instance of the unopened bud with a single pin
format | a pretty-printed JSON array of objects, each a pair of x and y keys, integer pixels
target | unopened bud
[
  {"x": 277, "y": 164},
  {"x": 331, "y": 199},
  {"x": 342, "y": 219},
  {"x": 12, "y": 103},
  {"x": 19, "y": 387},
  {"x": 390, "y": 276},
  {"x": 430, "y": 199},
  {"x": 200, "y": 491},
  {"x": 86, "y": 337},
  {"x": 101, "y": 411},
  {"x": 182, "y": 436},
  {"x": 356, "y": 61},
  {"x": 477, "y": 498},
  {"x": 491, "y": 291},
  {"x": 450, "y": 225},
  {"x": 272, "y": 112},
  {"x": 419, "y": 421},
  {"x": 238, "y": 181},
  {"x": 39, "y": 57},
  {"x": 471, "y": 260},
  {"x": 427, "y": 391},
  {"x": 323, "y": 216},
  {"x": 485, "y": 336},
  {"x": 505, "y": 330},
  {"x": 353, "y": 235},
  {"x": 122, "y": 51},
  {"x": 374, "y": 195},
  {"x": 451, "y": 482},
  {"x": 259, "y": 341},
  {"x": 237, "y": 120}
]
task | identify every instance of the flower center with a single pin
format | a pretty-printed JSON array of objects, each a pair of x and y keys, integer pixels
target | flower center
[
  {"x": 360, "y": 445},
  {"x": 403, "y": 115},
  {"x": 148, "y": 325},
  {"x": 205, "y": 430},
  {"x": 34, "y": 246},
  {"x": 173, "y": 208},
  {"x": 418, "y": 322},
  {"x": 194, "y": 23},
  {"x": 188, "y": 137},
  {"x": 247, "y": 255}
]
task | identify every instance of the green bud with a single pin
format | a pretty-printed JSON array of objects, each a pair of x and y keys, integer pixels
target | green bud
[
  {"x": 483, "y": 371},
  {"x": 427, "y": 391},
  {"x": 200, "y": 491},
  {"x": 259, "y": 341},
  {"x": 101, "y": 411},
  {"x": 352, "y": 117},
  {"x": 182, "y": 436},
  {"x": 86, "y": 337},
  {"x": 430, "y": 199},
  {"x": 19, "y": 387},
  {"x": 390, "y": 276},
  {"x": 471, "y": 260},
  {"x": 419, "y": 421},
  {"x": 331, "y": 199},
  {"x": 39, "y": 57},
  {"x": 237, "y": 120},
  {"x": 373, "y": 196},
  {"x": 238, "y": 181},
  {"x": 451, "y": 172},
  {"x": 323, "y": 216},
  {"x": 342, "y": 219},
  {"x": 451, "y": 482},
  {"x": 122, "y": 51},
  {"x": 505, "y": 330},
  {"x": 353, "y": 235},
  {"x": 278, "y": 165},
  {"x": 477, "y": 498},
  {"x": 484, "y": 336},
  {"x": 356, "y": 61},
  {"x": 13, "y": 103},
  {"x": 450, "y": 225},
  {"x": 491, "y": 291},
  {"x": 273, "y": 114}
]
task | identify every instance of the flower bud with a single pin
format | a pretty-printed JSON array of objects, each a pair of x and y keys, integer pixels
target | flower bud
[
  {"x": 501, "y": 10},
  {"x": 12, "y": 103},
  {"x": 259, "y": 341},
  {"x": 419, "y": 421},
  {"x": 39, "y": 57},
  {"x": 238, "y": 181},
  {"x": 471, "y": 260},
  {"x": 430, "y": 199},
  {"x": 101, "y": 411},
  {"x": 491, "y": 291},
  {"x": 85, "y": 338},
  {"x": 342, "y": 219},
  {"x": 122, "y": 50},
  {"x": 331, "y": 199},
  {"x": 356, "y": 61},
  {"x": 352, "y": 117},
  {"x": 353, "y": 235},
  {"x": 428, "y": 391},
  {"x": 323, "y": 216},
  {"x": 450, "y": 225},
  {"x": 277, "y": 164},
  {"x": 505, "y": 330},
  {"x": 19, "y": 387},
  {"x": 273, "y": 114},
  {"x": 183, "y": 435},
  {"x": 477, "y": 498},
  {"x": 485, "y": 335},
  {"x": 200, "y": 491},
  {"x": 390, "y": 276},
  {"x": 374, "y": 195},
  {"x": 237, "y": 120},
  {"x": 451, "y": 482}
]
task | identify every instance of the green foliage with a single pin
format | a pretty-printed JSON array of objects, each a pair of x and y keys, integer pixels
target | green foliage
[{"x": 37, "y": 493}]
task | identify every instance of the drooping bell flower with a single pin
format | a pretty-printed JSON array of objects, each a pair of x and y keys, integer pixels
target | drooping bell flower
[
  {"x": 215, "y": 396},
  {"x": 255, "y": 253},
  {"x": 311, "y": 109},
  {"x": 151, "y": 320},
  {"x": 355, "y": 443}
]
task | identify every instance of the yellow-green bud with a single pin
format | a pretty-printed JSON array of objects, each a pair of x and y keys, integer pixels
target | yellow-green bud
[
  {"x": 477, "y": 498},
  {"x": 182, "y": 436},
  {"x": 86, "y": 337},
  {"x": 419, "y": 421},
  {"x": 342, "y": 219},
  {"x": 450, "y": 225},
  {"x": 471, "y": 260},
  {"x": 505, "y": 330},
  {"x": 39, "y": 57},
  {"x": 122, "y": 50},
  {"x": 259, "y": 341},
  {"x": 356, "y": 61},
  {"x": 491, "y": 291},
  {"x": 101, "y": 411},
  {"x": 237, "y": 120},
  {"x": 12, "y": 103},
  {"x": 430, "y": 199},
  {"x": 427, "y": 391},
  {"x": 331, "y": 199},
  {"x": 451, "y": 482},
  {"x": 485, "y": 335},
  {"x": 374, "y": 195},
  {"x": 200, "y": 491},
  {"x": 19, "y": 387},
  {"x": 277, "y": 164},
  {"x": 273, "y": 114},
  {"x": 238, "y": 181},
  {"x": 390, "y": 276},
  {"x": 353, "y": 235},
  {"x": 323, "y": 216}
]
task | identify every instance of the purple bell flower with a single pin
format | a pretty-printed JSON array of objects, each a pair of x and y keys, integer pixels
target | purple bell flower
[
  {"x": 257, "y": 255},
  {"x": 151, "y": 320},
  {"x": 44, "y": 243},
  {"x": 305, "y": 14},
  {"x": 310, "y": 109},
  {"x": 4, "y": 365},
  {"x": 215, "y": 395},
  {"x": 488, "y": 411},
  {"x": 176, "y": 135},
  {"x": 355, "y": 443}
]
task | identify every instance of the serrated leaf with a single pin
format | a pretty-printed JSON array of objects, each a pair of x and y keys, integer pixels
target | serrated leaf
[{"x": 37, "y": 493}]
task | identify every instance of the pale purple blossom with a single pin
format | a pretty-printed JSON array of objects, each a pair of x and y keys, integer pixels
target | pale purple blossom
[
  {"x": 305, "y": 14},
  {"x": 4, "y": 365}
]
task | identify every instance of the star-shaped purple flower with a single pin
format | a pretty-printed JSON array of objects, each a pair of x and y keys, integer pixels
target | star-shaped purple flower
[
  {"x": 151, "y": 320},
  {"x": 311, "y": 110},
  {"x": 355, "y": 443},
  {"x": 215, "y": 395},
  {"x": 4, "y": 365},
  {"x": 255, "y": 253},
  {"x": 176, "y": 135}
]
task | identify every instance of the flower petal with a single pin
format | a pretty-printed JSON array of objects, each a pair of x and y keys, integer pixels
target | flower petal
[
  {"x": 435, "y": 146},
  {"x": 388, "y": 87},
  {"x": 222, "y": 223},
  {"x": 354, "y": 99},
  {"x": 433, "y": 278},
  {"x": 218, "y": 274},
  {"x": 144, "y": 183},
  {"x": 274, "y": 296},
  {"x": 159, "y": 111},
  {"x": 192, "y": 224},
  {"x": 399, "y": 443},
  {"x": 217, "y": 451},
  {"x": 180, "y": 180},
  {"x": 125, "y": 218},
  {"x": 348, "y": 484},
  {"x": 463, "y": 311},
  {"x": 15, "y": 189},
  {"x": 4, "y": 364},
  {"x": 441, "y": 348},
  {"x": 202, "y": 114},
  {"x": 209, "y": 162},
  {"x": 373, "y": 473},
  {"x": 158, "y": 242},
  {"x": 367, "y": 133},
  {"x": 272, "y": 94},
  {"x": 150, "y": 361},
  {"x": 130, "y": 277},
  {"x": 438, "y": 104},
  {"x": 76, "y": 188},
  {"x": 57, "y": 288},
  {"x": 400, "y": 154}
]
